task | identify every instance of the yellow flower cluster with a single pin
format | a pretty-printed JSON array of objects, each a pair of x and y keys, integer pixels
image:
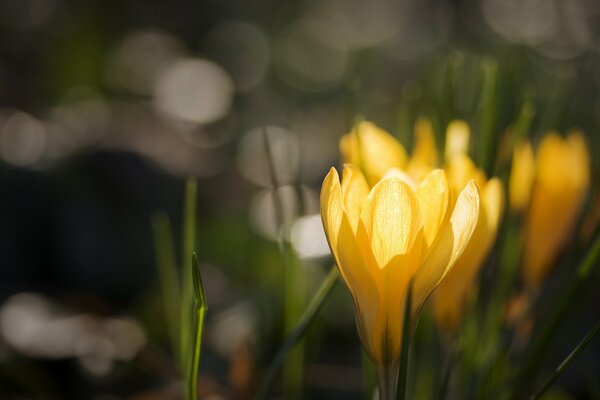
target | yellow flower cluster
[{"x": 394, "y": 219}]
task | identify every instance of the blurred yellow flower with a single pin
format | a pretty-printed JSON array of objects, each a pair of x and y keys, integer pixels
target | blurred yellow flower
[
  {"x": 562, "y": 178},
  {"x": 450, "y": 298},
  {"x": 373, "y": 150},
  {"x": 522, "y": 174},
  {"x": 457, "y": 139},
  {"x": 383, "y": 237},
  {"x": 424, "y": 156}
]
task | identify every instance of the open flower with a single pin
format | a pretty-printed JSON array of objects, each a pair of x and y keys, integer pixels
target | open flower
[
  {"x": 381, "y": 150},
  {"x": 562, "y": 175},
  {"x": 386, "y": 236}
]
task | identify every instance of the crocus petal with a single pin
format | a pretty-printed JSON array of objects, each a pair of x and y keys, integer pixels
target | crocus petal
[
  {"x": 424, "y": 156},
  {"x": 457, "y": 139},
  {"x": 403, "y": 176},
  {"x": 522, "y": 174},
  {"x": 449, "y": 245},
  {"x": 354, "y": 192},
  {"x": 373, "y": 150},
  {"x": 348, "y": 257},
  {"x": 391, "y": 218},
  {"x": 363, "y": 288},
  {"x": 331, "y": 208},
  {"x": 460, "y": 170},
  {"x": 450, "y": 297},
  {"x": 433, "y": 194}
]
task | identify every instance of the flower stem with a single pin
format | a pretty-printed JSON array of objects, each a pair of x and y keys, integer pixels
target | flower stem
[{"x": 388, "y": 381}]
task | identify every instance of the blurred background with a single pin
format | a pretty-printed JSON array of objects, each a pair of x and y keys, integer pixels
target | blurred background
[{"x": 107, "y": 106}]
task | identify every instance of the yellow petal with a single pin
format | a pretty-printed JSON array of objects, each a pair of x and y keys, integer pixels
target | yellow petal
[
  {"x": 331, "y": 208},
  {"x": 391, "y": 218},
  {"x": 403, "y": 176},
  {"x": 359, "y": 279},
  {"x": 354, "y": 192},
  {"x": 450, "y": 297},
  {"x": 460, "y": 170},
  {"x": 425, "y": 156},
  {"x": 349, "y": 259},
  {"x": 457, "y": 139},
  {"x": 522, "y": 174},
  {"x": 373, "y": 150},
  {"x": 433, "y": 195},
  {"x": 449, "y": 245}
]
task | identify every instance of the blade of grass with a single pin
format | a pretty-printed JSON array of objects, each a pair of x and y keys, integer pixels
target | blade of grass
[
  {"x": 168, "y": 278},
  {"x": 189, "y": 241},
  {"x": 539, "y": 346},
  {"x": 568, "y": 360},
  {"x": 301, "y": 327},
  {"x": 406, "y": 334},
  {"x": 200, "y": 308}
]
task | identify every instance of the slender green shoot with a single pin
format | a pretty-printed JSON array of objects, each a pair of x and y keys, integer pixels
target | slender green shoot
[
  {"x": 189, "y": 242},
  {"x": 301, "y": 327},
  {"x": 200, "y": 308},
  {"x": 406, "y": 334},
  {"x": 167, "y": 276},
  {"x": 568, "y": 360}
]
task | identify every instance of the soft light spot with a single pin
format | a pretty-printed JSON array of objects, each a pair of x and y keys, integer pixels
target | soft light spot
[
  {"x": 193, "y": 91},
  {"x": 308, "y": 237}
]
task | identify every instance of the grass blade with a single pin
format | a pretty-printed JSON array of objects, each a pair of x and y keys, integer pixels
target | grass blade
[
  {"x": 189, "y": 241},
  {"x": 167, "y": 276},
  {"x": 568, "y": 360},
  {"x": 200, "y": 308},
  {"x": 301, "y": 327}
]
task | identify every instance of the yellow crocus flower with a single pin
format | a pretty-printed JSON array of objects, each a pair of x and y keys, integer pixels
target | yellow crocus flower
[
  {"x": 385, "y": 236},
  {"x": 457, "y": 139},
  {"x": 561, "y": 182},
  {"x": 372, "y": 149},
  {"x": 424, "y": 156},
  {"x": 522, "y": 174}
]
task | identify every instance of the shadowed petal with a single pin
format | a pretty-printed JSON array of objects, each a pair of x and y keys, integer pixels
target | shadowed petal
[
  {"x": 433, "y": 195},
  {"x": 354, "y": 192},
  {"x": 448, "y": 246}
]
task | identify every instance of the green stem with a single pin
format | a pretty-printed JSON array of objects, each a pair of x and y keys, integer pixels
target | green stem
[
  {"x": 406, "y": 334},
  {"x": 567, "y": 361},
  {"x": 387, "y": 377},
  {"x": 307, "y": 317}
]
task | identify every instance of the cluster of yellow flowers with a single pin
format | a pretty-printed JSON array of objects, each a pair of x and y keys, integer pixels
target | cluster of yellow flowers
[{"x": 395, "y": 219}]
